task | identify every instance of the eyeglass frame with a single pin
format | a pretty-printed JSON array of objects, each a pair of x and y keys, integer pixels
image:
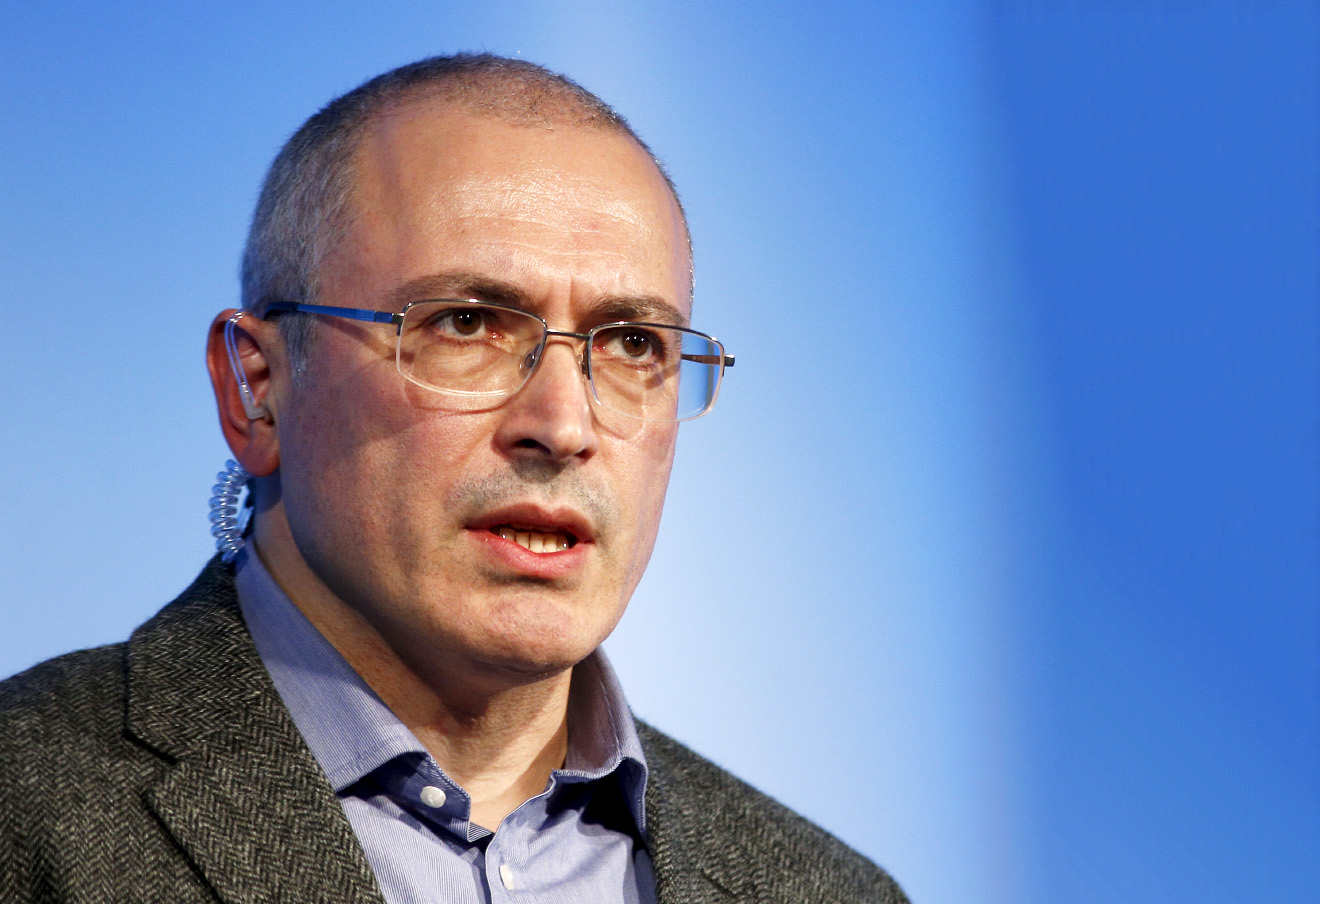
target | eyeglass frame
[{"x": 370, "y": 315}]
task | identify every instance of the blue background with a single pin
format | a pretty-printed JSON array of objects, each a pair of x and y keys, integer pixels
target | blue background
[{"x": 1000, "y": 556}]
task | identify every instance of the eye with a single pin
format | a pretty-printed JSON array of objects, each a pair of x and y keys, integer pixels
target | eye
[
  {"x": 629, "y": 344},
  {"x": 466, "y": 323},
  {"x": 636, "y": 344},
  {"x": 462, "y": 323}
]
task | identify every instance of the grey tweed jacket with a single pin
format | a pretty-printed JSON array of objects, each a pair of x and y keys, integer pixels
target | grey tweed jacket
[{"x": 167, "y": 769}]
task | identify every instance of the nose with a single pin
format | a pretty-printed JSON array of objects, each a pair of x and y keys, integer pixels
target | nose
[{"x": 551, "y": 416}]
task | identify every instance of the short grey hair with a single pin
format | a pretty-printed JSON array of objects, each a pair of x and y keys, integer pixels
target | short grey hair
[{"x": 305, "y": 208}]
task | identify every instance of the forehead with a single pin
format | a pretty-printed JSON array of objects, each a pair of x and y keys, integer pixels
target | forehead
[{"x": 556, "y": 208}]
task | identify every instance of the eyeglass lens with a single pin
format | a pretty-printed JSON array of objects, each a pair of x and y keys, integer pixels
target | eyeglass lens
[{"x": 478, "y": 353}]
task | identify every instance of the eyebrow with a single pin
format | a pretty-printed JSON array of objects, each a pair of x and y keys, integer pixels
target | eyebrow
[
  {"x": 457, "y": 285},
  {"x": 646, "y": 308},
  {"x": 607, "y": 308}
]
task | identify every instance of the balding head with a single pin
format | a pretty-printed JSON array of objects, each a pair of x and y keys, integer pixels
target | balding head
[{"x": 306, "y": 203}]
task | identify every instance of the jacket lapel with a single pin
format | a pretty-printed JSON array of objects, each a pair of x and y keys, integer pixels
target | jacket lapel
[
  {"x": 241, "y": 794},
  {"x": 696, "y": 860}
]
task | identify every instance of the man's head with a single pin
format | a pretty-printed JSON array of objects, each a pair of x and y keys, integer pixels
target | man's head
[{"x": 387, "y": 516}]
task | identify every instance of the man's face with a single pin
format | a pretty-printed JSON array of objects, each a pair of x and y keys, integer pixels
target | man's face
[{"x": 397, "y": 504}]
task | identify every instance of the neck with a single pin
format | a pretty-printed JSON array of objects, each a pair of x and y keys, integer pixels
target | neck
[
  {"x": 497, "y": 734},
  {"x": 500, "y": 745},
  {"x": 503, "y": 755}
]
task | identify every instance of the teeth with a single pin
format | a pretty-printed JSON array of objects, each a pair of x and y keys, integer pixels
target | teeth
[{"x": 535, "y": 540}]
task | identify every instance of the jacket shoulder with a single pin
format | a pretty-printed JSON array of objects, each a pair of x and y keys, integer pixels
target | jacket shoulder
[
  {"x": 63, "y": 743},
  {"x": 78, "y": 694},
  {"x": 79, "y": 817},
  {"x": 709, "y": 812}
]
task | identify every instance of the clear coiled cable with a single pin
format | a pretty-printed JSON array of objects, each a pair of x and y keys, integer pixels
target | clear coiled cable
[{"x": 226, "y": 526}]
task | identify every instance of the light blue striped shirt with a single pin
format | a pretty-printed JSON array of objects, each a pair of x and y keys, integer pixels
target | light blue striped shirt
[{"x": 582, "y": 839}]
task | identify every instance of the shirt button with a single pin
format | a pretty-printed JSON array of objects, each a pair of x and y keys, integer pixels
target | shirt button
[
  {"x": 506, "y": 876},
  {"x": 433, "y": 797}
]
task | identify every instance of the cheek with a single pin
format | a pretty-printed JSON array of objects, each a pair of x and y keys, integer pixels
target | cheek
[
  {"x": 651, "y": 461},
  {"x": 357, "y": 455}
]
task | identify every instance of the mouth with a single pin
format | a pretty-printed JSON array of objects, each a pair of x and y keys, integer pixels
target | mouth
[
  {"x": 535, "y": 539},
  {"x": 550, "y": 532}
]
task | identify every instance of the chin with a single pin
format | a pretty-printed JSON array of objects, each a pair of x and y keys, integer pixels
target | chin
[
  {"x": 534, "y": 658},
  {"x": 544, "y": 635}
]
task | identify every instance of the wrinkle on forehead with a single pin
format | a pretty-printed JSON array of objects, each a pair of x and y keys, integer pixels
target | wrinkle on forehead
[
  {"x": 589, "y": 198},
  {"x": 522, "y": 189},
  {"x": 537, "y": 195}
]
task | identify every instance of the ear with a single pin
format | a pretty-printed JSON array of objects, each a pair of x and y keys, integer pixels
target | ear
[{"x": 240, "y": 367}]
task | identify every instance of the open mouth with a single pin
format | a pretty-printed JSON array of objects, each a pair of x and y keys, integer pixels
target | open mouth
[{"x": 537, "y": 540}]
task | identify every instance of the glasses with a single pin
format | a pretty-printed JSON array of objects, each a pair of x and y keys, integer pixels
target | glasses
[{"x": 478, "y": 353}]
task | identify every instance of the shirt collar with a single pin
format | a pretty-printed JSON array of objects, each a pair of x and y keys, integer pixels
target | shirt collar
[{"x": 351, "y": 732}]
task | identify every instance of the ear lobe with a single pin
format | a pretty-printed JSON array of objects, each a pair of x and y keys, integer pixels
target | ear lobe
[{"x": 241, "y": 379}]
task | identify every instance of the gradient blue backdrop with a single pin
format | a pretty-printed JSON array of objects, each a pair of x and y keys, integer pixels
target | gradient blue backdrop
[{"x": 999, "y": 556}]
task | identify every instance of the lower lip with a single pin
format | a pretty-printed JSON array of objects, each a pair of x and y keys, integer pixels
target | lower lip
[{"x": 545, "y": 565}]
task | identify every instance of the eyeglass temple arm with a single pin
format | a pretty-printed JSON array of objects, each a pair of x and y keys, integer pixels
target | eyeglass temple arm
[
  {"x": 726, "y": 360},
  {"x": 351, "y": 313}
]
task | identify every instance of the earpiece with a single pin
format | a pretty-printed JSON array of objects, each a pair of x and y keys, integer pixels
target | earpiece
[{"x": 251, "y": 406}]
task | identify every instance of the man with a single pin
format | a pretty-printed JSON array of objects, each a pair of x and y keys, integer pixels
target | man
[{"x": 455, "y": 386}]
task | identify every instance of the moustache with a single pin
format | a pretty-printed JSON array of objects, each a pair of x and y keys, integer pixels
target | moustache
[{"x": 540, "y": 482}]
